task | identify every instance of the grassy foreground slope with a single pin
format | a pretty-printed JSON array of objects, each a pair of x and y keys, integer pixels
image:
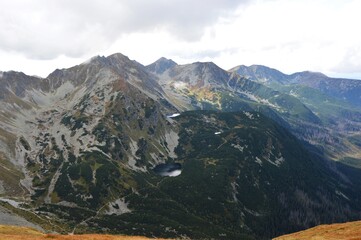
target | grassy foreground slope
[
  {"x": 340, "y": 231},
  {"x": 24, "y": 233}
]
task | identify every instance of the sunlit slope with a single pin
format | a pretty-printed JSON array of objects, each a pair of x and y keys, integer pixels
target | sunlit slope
[
  {"x": 24, "y": 233},
  {"x": 342, "y": 231}
]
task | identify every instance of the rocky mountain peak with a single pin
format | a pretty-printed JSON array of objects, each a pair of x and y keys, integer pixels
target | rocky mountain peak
[
  {"x": 308, "y": 75},
  {"x": 118, "y": 59},
  {"x": 161, "y": 65},
  {"x": 114, "y": 59},
  {"x": 260, "y": 73},
  {"x": 116, "y": 67},
  {"x": 200, "y": 74}
]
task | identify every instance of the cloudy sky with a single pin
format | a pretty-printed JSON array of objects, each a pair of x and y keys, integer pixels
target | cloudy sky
[{"x": 38, "y": 36}]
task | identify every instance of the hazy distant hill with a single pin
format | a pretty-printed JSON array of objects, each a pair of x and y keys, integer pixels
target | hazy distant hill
[
  {"x": 347, "y": 89},
  {"x": 336, "y": 102}
]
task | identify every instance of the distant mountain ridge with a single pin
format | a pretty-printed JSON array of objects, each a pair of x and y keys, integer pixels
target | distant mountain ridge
[
  {"x": 161, "y": 65},
  {"x": 348, "y": 89}
]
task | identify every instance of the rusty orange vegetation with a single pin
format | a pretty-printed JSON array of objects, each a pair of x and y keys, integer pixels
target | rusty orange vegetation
[
  {"x": 24, "y": 233},
  {"x": 339, "y": 231}
]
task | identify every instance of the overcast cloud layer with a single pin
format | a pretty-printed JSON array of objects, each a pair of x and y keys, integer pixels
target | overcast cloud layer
[{"x": 37, "y": 36}]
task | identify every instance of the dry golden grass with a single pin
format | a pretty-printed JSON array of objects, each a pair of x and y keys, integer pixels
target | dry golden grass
[
  {"x": 24, "y": 233},
  {"x": 340, "y": 231}
]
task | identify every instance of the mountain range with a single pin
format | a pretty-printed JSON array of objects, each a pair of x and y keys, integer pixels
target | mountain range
[{"x": 259, "y": 153}]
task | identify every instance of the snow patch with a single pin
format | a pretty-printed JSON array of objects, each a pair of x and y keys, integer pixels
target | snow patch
[
  {"x": 175, "y": 173},
  {"x": 174, "y": 115}
]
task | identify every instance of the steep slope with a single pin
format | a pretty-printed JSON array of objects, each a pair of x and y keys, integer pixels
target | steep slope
[
  {"x": 348, "y": 89},
  {"x": 14, "y": 101},
  {"x": 99, "y": 103},
  {"x": 341, "y": 231},
  {"x": 267, "y": 173}
]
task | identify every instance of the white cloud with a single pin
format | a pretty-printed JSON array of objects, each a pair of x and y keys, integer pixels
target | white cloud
[
  {"x": 38, "y": 35},
  {"x": 46, "y": 29},
  {"x": 293, "y": 36},
  {"x": 17, "y": 62}
]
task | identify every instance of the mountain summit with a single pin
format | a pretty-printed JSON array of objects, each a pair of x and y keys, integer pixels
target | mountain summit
[
  {"x": 260, "y": 73},
  {"x": 161, "y": 65}
]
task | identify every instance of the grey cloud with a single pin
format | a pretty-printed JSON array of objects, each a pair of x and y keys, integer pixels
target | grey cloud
[{"x": 44, "y": 29}]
